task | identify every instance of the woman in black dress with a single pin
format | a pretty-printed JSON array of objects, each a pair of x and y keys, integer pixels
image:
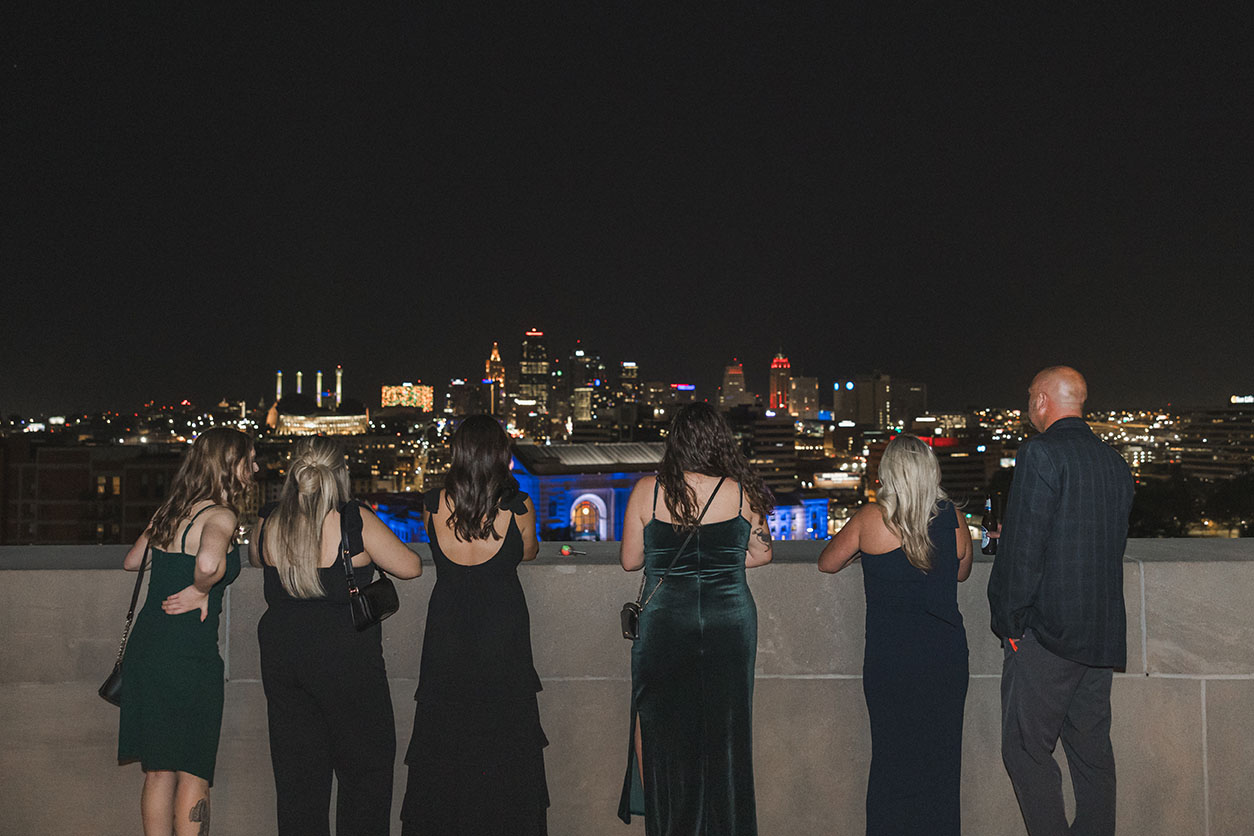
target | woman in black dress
[
  {"x": 330, "y": 710},
  {"x": 915, "y": 548},
  {"x": 476, "y": 760}
]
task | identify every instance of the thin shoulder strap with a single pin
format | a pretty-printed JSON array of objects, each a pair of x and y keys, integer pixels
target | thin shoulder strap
[
  {"x": 740, "y": 501},
  {"x": 655, "y": 484},
  {"x": 190, "y": 523}
]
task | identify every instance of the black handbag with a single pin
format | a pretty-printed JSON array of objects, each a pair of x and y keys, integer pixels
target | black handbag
[
  {"x": 111, "y": 690},
  {"x": 376, "y": 601},
  {"x": 629, "y": 615}
]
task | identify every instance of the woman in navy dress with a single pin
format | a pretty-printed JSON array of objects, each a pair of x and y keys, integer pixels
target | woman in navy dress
[{"x": 915, "y": 549}]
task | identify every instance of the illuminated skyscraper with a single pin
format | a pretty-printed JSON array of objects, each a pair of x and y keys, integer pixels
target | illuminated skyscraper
[
  {"x": 733, "y": 391},
  {"x": 494, "y": 369},
  {"x": 803, "y": 397},
  {"x": 339, "y": 386},
  {"x": 781, "y": 376},
  {"x": 533, "y": 372}
]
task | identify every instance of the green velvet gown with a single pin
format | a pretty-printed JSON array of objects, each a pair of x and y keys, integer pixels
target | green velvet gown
[
  {"x": 692, "y": 686},
  {"x": 172, "y": 687}
]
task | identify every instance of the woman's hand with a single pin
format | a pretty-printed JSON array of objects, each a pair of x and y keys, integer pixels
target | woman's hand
[{"x": 187, "y": 599}]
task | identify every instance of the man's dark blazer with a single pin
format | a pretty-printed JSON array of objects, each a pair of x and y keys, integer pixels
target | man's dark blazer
[{"x": 1059, "y": 564}]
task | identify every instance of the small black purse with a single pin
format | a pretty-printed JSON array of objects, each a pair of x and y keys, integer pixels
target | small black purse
[
  {"x": 376, "y": 601},
  {"x": 629, "y": 615},
  {"x": 111, "y": 690}
]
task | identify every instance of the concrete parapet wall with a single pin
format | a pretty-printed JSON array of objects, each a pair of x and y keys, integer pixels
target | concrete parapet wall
[{"x": 1183, "y": 711}]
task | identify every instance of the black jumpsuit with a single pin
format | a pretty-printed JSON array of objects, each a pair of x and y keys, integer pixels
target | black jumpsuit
[{"x": 329, "y": 708}]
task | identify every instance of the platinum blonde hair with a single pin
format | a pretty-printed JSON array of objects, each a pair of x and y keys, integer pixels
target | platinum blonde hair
[
  {"x": 316, "y": 484},
  {"x": 910, "y": 496}
]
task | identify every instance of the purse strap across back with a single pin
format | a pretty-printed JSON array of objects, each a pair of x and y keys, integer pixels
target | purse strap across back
[
  {"x": 351, "y": 542},
  {"x": 681, "y": 548}
]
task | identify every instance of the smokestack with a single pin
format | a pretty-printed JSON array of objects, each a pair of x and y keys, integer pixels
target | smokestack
[
  {"x": 320, "y": 388},
  {"x": 339, "y": 385},
  {"x": 299, "y": 377},
  {"x": 278, "y": 386}
]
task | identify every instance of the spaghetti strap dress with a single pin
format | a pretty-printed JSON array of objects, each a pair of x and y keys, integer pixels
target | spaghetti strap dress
[
  {"x": 914, "y": 676},
  {"x": 476, "y": 758},
  {"x": 172, "y": 690},
  {"x": 692, "y": 685}
]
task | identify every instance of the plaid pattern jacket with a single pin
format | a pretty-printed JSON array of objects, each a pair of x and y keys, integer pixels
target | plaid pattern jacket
[{"x": 1059, "y": 565}]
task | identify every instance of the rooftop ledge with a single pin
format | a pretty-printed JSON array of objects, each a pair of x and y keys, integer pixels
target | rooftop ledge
[
  {"x": 1190, "y": 549},
  {"x": 1182, "y": 732}
]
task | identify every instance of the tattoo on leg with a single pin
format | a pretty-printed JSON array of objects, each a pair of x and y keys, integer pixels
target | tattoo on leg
[
  {"x": 762, "y": 535},
  {"x": 200, "y": 813}
]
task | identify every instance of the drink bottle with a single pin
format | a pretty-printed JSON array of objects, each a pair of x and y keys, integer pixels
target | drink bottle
[{"x": 988, "y": 545}]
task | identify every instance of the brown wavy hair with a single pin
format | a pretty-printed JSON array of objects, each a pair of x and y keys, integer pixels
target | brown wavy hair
[
  {"x": 700, "y": 441},
  {"x": 478, "y": 483},
  {"x": 209, "y": 470}
]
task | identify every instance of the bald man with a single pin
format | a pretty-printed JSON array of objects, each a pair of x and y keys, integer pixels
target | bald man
[{"x": 1056, "y": 595}]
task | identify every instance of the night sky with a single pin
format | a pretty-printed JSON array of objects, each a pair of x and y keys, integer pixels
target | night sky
[{"x": 193, "y": 200}]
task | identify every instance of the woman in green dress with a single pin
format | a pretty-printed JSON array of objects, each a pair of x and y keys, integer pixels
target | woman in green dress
[
  {"x": 692, "y": 666},
  {"x": 172, "y": 692}
]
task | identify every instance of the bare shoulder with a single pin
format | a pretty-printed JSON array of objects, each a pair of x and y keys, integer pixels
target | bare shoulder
[{"x": 219, "y": 515}]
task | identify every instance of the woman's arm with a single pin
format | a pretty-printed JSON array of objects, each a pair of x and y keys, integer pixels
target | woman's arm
[
  {"x": 760, "y": 549},
  {"x": 254, "y": 545},
  {"x": 135, "y": 556},
  {"x": 631, "y": 550},
  {"x": 526, "y": 523},
  {"x": 215, "y": 542},
  {"x": 841, "y": 550},
  {"x": 386, "y": 549},
  {"x": 965, "y": 549}
]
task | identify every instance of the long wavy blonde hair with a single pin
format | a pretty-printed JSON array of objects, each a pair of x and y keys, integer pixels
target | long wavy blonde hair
[
  {"x": 910, "y": 496},
  {"x": 214, "y": 468},
  {"x": 316, "y": 484}
]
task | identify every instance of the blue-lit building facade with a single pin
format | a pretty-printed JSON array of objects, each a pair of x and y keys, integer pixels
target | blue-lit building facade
[{"x": 580, "y": 492}]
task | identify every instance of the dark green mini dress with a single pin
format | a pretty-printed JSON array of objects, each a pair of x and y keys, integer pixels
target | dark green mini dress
[
  {"x": 172, "y": 687},
  {"x": 692, "y": 685}
]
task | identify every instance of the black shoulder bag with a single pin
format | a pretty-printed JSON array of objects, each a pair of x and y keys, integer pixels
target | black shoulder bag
[
  {"x": 629, "y": 615},
  {"x": 111, "y": 690},
  {"x": 377, "y": 601}
]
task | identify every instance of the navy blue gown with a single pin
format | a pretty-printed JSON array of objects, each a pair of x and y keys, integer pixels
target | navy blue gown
[{"x": 914, "y": 676}]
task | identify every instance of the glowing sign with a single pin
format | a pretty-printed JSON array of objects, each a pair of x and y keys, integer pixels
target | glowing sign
[
  {"x": 1241, "y": 399},
  {"x": 534, "y": 333},
  {"x": 684, "y": 387}
]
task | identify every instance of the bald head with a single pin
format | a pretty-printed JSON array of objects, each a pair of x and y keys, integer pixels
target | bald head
[{"x": 1056, "y": 392}]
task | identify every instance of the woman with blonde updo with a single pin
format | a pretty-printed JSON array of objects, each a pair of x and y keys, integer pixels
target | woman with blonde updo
[
  {"x": 915, "y": 549},
  {"x": 330, "y": 709}
]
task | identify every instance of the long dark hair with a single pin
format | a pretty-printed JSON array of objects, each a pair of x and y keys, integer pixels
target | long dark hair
[
  {"x": 479, "y": 481},
  {"x": 701, "y": 441},
  {"x": 209, "y": 470}
]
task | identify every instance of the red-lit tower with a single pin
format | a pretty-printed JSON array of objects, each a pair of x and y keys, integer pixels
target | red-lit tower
[{"x": 781, "y": 377}]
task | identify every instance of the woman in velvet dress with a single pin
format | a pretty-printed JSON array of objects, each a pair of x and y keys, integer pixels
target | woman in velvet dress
[
  {"x": 690, "y": 755},
  {"x": 915, "y": 549},
  {"x": 476, "y": 760},
  {"x": 172, "y": 694}
]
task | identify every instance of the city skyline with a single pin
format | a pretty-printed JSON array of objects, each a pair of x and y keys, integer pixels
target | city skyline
[
  {"x": 364, "y": 385},
  {"x": 203, "y": 196}
]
